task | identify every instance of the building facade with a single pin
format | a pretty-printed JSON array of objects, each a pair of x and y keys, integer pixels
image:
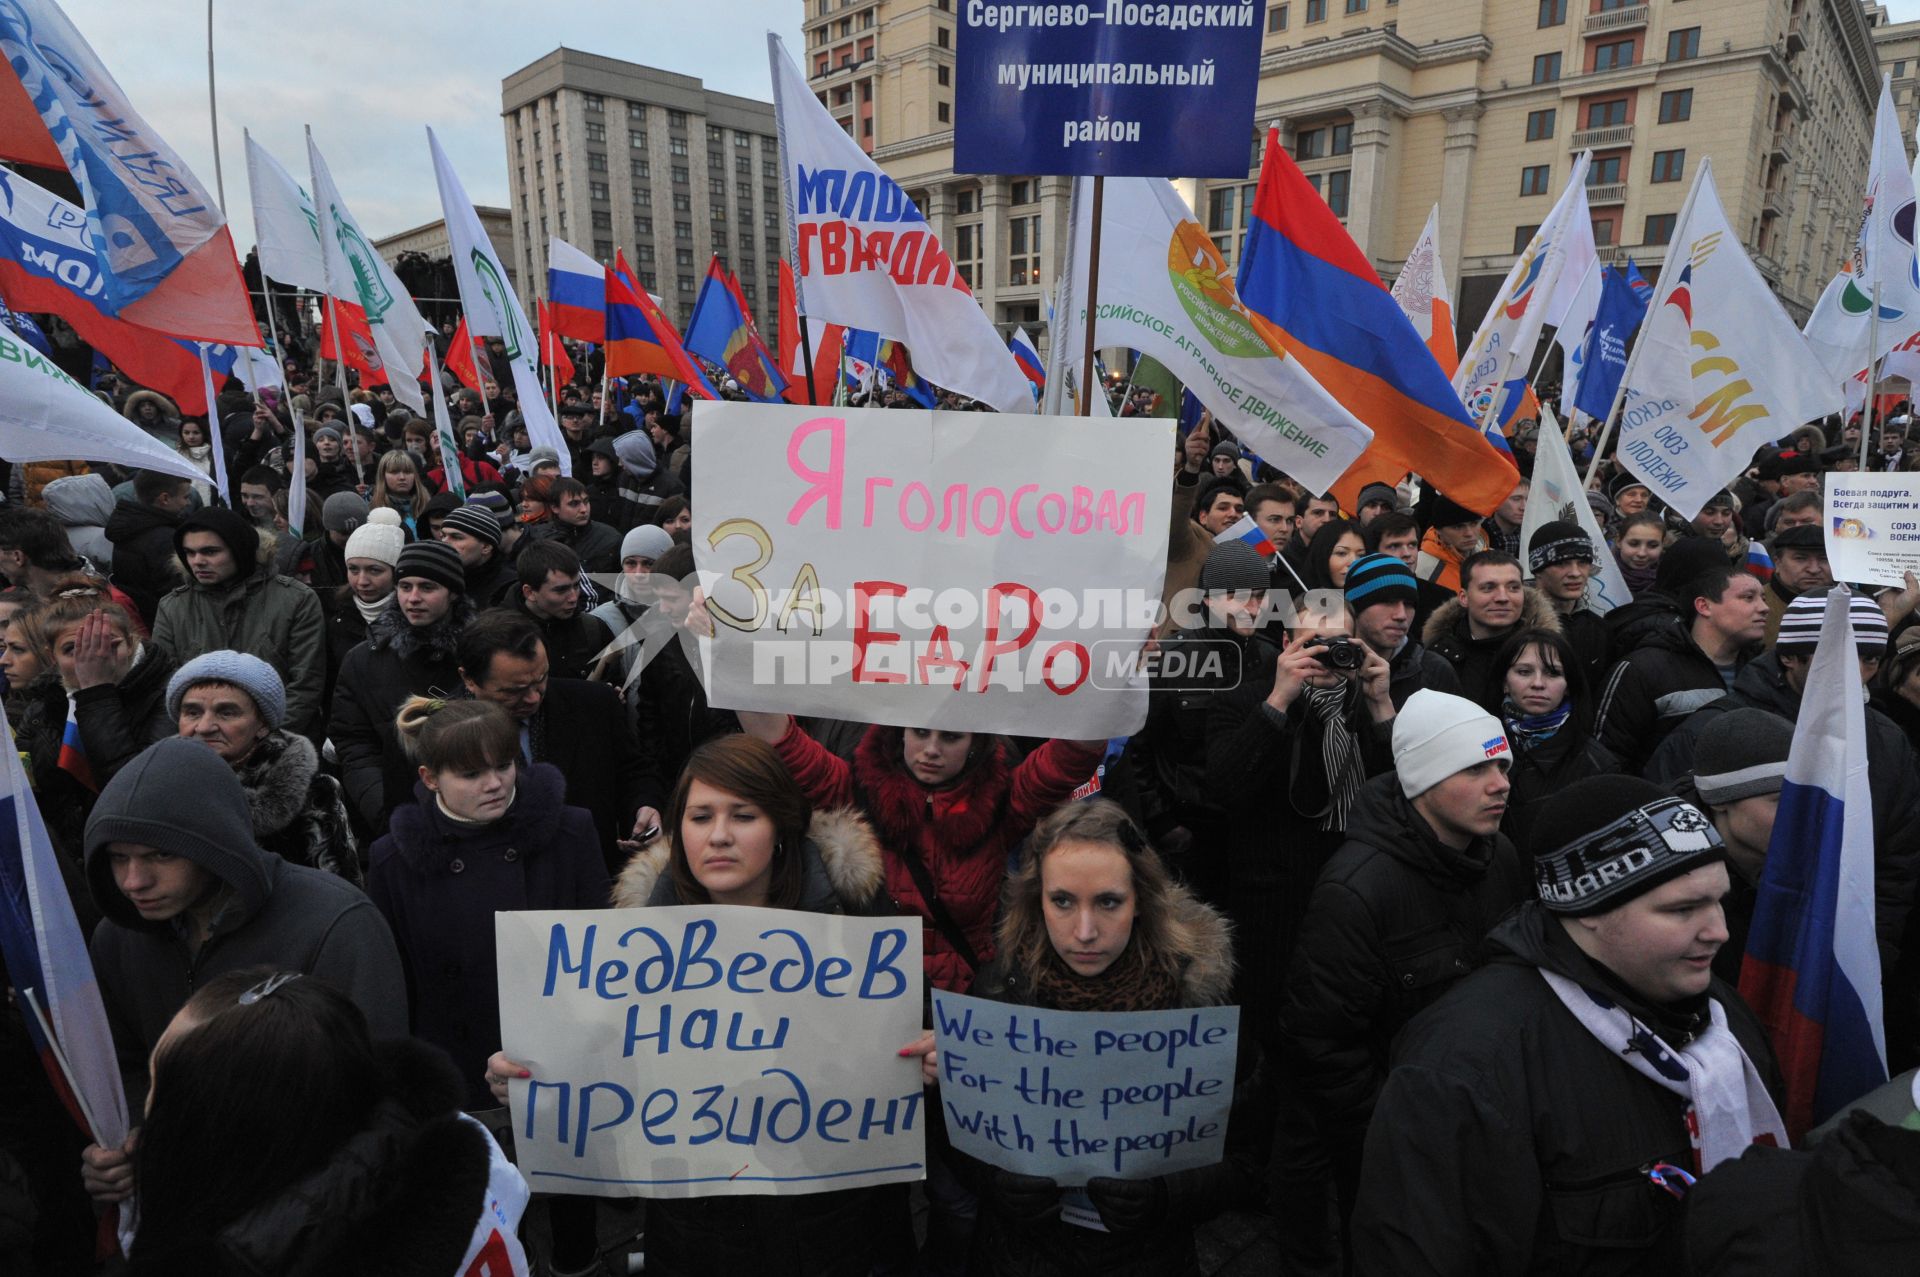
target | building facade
[
  {"x": 431, "y": 241},
  {"x": 1477, "y": 106},
  {"x": 1899, "y": 47},
  {"x": 611, "y": 155}
]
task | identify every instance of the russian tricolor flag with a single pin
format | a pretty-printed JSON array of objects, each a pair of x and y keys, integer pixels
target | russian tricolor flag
[
  {"x": 576, "y": 293},
  {"x": 1759, "y": 562},
  {"x": 1028, "y": 358},
  {"x": 1812, "y": 970},
  {"x": 1249, "y": 531}
]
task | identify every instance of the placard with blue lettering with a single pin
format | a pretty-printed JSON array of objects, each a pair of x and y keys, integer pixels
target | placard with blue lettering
[
  {"x": 1079, "y": 1095},
  {"x": 1107, "y": 87},
  {"x": 709, "y": 1050}
]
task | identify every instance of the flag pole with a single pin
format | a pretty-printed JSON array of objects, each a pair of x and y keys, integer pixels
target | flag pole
[
  {"x": 1093, "y": 298},
  {"x": 340, "y": 378},
  {"x": 553, "y": 373},
  {"x": 1873, "y": 380},
  {"x": 213, "y": 116},
  {"x": 296, "y": 465}
]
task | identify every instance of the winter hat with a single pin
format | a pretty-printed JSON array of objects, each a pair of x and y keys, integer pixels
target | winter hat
[
  {"x": 237, "y": 669},
  {"x": 476, "y": 521},
  {"x": 1798, "y": 463},
  {"x": 1376, "y": 492},
  {"x": 1557, "y": 542},
  {"x": 1234, "y": 565},
  {"x": 1800, "y": 625},
  {"x": 443, "y": 503},
  {"x": 435, "y": 561},
  {"x": 543, "y": 454},
  {"x": 1807, "y": 536},
  {"x": 1611, "y": 838},
  {"x": 1225, "y": 448},
  {"x": 1683, "y": 563},
  {"x": 1623, "y": 481},
  {"x": 1380, "y": 578},
  {"x": 649, "y": 540},
  {"x": 1741, "y": 754},
  {"x": 380, "y": 538},
  {"x": 241, "y": 537},
  {"x": 1445, "y": 513},
  {"x": 1437, "y": 734},
  {"x": 495, "y": 504},
  {"x": 1602, "y": 508},
  {"x": 362, "y": 415},
  {"x": 1722, "y": 500},
  {"x": 343, "y": 512},
  {"x": 603, "y": 447},
  {"x": 635, "y": 452},
  {"x": 329, "y": 432}
]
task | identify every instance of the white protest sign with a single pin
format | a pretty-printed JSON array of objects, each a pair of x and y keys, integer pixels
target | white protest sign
[
  {"x": 1079, "y": 1095},
  {"x": 968, "y": 571},
  {"x": 1873, "y": 527},
  {"x": 711, "y": 1050}
]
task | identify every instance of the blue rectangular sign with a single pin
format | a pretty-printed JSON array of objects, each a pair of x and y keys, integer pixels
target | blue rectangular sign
[{"x": 1110, "y": 87}]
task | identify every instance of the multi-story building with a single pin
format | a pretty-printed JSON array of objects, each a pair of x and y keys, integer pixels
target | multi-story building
[
  {"x": 611, "y": 155},
  {"x": 430, "y": 240},
  {"x": 1478, "y": 106},
  {"x": 1899, "y": 47}
]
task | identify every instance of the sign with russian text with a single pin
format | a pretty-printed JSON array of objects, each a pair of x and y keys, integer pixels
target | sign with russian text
[
  {"x": 1079, "y": 1095},
  {"x": 960, "y": 570},
  {"x": 711, "y": 1050},
  {"x": 1873, "y": 527},
  {"x": 1113, "y": 88}
]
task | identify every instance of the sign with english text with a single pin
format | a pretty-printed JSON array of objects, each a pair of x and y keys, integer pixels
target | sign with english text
[
  {"x": 967, "y": 571},
  {"x": 711, "y": 1050}
]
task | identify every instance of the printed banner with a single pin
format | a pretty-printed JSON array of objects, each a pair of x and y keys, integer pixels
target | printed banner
[
  {"x": 711, "y": 1050},
  {"x": 970, "y": 571},
  {"x": 1873, "y": 527},
  {"x": 1078, "y": 1095}
]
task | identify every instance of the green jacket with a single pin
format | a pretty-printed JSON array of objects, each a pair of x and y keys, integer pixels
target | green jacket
[{"x": 273, "y": 617}]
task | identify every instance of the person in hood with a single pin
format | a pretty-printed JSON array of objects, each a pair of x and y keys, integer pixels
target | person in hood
[
  {"x": 378, "y": 1173},
  {"x": 141, "y": 530},
  {"x": 1399, "y": 913},
  {"x": 83, "y": 503},
  {"x": 189, "y": 895},
  {"x": 640, "y": 549},
  {"x": 643, "y": 483},
  {"x": 234, "y": 602},
  {"x": 235, "y": 704},
  {"x": 1546, "y": 1115}
]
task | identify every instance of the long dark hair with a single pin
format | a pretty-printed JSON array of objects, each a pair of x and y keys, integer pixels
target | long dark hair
[
  {"x": 748, "y": 768},
  {"x": 1559, "y": 656},
  {"x": 1320, "y": 551},
  {"x": 252, "y": 1098}
]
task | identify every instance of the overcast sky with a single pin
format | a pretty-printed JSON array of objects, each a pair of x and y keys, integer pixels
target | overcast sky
[{"x": 370, "y": 75}]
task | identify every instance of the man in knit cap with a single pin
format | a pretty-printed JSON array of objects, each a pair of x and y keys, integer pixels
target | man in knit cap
[
  {"x": 1453, "y": 533},
  {"x": 633, "y": 593},
  {"x": 1374, "y": 500},
  {"x": 474, "y": 533},
  {"x": 1740, "y": 764},
  {"x": 322, "y": 562},
  {"x": 1382, "y": 597},
  {"x": 1560, "y": 561},
  {"x": 1399, "y": 913},
  {"x": 234, "y": 601},
  {"x": 1546, "y": 1115},
  {"x": 188, "y": 895}
]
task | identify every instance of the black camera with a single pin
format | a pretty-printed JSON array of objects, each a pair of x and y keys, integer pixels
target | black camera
[{"x": 1338, "y": 652}]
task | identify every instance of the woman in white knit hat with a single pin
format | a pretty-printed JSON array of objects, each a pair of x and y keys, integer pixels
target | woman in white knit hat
[{"x": 371, "y": 552}]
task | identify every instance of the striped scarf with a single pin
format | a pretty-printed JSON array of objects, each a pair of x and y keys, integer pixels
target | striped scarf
[{"x": 1339, "y": 752}]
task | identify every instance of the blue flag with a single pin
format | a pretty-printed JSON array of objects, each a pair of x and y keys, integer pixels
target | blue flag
[
  {"x": 24, "y": 326},
  {"x": 1623, "y": 304}
]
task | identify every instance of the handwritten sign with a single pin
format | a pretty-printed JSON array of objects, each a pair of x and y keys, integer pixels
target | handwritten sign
[
  {"x": 1873, "y": 527},
  {"x": 711, "y": 1050},
  {"x": 1076, "y": 1095},
  {"x": 969, "y": 571}
]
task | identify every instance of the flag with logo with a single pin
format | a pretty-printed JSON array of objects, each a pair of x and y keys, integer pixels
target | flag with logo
[
  {"x": 359, "y": 275},
  {"x": 1571, "y": 336},
  {"x": 864, "y": 255},
  {"x": 720, "y": 332},
  {"x": 1623, "y": 307},
  {"x": 25, "y": 327},
  {"x": 1310, "y": 290},
  {"x": 1719, "y": 369},
  {"x": 1558, "y": 495},
  {"x": 286, "y": 228},
  {"x": 1421, "y": 290},
  {"x": 1812, "y": 969},
  {"x": 353, "y": 344},
  {"x": 162, "y": 251}
]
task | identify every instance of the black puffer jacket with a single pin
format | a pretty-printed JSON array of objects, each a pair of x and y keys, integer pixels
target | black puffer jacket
[
  {"x": 1651, "y": 692},
  {"x": 396, "y": 661},
  {"x": 1169, "y": 754},
  {"x": 1541, "y": 771},
  {"x": 1509, "y": 1141},
  {"x": 1448, "y": 634},
  {"x": 1397, "y": 918},
  {"x": 144, "y": 564},
  {"x": 1415, "y": 667}
]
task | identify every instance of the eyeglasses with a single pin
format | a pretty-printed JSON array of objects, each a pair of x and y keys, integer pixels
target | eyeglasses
[{"x": 268, "y": 986}]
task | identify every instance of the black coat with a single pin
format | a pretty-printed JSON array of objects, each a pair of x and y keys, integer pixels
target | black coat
[
  {"x": 1509, "y": 1141},
  {"x": 396, "y": 661},
  {"x": 573, "y": 645},
  {"x": 1651, "y": 692},
  {"x": 582, "y": 729},
  {"x": 671, "y": 713},
  {"x": 144, "y": 564},
  {"x": 1169, "y": 754},
  {"x": 1449, "y": 634},
  {"x": 1540, "y": 771},
  {"x": 439, "y": 883},
  {"x": 1415, "y": 667}
]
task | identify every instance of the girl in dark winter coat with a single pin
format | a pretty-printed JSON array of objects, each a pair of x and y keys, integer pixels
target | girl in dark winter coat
[
  {"x": 372, "y": 552},
  {"x": 1548, "y": 714},
  {"x": 1094, "y": 923},
  {"x": 377, "y": 1174}
]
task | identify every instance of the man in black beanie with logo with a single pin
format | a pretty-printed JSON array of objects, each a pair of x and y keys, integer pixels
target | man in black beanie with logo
[
  {"x": 1549, "y": 1112},
  {"x": 1560, "y": 561}
]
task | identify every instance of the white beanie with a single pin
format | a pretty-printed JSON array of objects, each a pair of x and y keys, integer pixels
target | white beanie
[
  {"x": 1437, "y": 734},
  {"x": 379, "y": 538}
]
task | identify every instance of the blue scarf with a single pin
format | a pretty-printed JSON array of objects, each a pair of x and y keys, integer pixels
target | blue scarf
[{"x": 1535, "y": 729}]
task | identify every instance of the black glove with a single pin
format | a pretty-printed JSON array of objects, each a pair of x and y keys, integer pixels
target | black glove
[
  {"x": 1025, "y": 1200},
  {"x": 1129, "y": 1205}
]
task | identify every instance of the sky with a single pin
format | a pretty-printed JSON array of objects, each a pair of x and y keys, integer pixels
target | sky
[{"x": 370, "y": 75}]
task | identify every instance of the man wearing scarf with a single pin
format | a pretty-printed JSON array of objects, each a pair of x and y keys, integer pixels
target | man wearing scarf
[{"x": 1550, "y": 1112}]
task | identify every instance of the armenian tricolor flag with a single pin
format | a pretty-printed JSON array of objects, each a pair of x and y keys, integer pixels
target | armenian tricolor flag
[{"x": 640, "y": 339}]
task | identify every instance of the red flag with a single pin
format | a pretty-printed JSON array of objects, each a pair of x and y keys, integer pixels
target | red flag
[
  {"x": 460, "y": 359},
  {"x": 553, "y": 351},
  {"x": 362, "y": 355},
  {"x": 828, "y": 339}
]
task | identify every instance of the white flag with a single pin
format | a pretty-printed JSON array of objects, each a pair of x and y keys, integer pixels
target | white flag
[
  {"x": 286, "y": 230},
  {"x": 1421, "y": 289},
  {"x": 1511, "y": 329},
  {"x": 492, "y": 309},
  {"x": 1841, "y": 326},
  {"x": 46, "y": 415},
  {"x": 1719, "y": 369},
  {"x": 357, "y": 274},
  {"x": 1557, "y": 493},
  {"x": 1165, "y": 291},
  {"x": 1572, "y": 333},
  {"x": 864, "y": 256}
]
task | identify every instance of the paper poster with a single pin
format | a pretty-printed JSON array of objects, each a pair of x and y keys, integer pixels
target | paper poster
[{"x": 1873, "y": 527}]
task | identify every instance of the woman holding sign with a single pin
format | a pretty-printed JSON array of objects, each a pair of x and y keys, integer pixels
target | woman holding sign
[{"x": 1093, "y": 922}]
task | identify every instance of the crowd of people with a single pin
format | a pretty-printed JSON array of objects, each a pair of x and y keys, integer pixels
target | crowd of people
[{"x": 1475, "y": 861}]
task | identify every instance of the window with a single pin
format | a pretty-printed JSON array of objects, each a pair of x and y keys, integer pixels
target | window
[
  {"x": 1676, "y": 105},
  {"x": 1276, "y": 19},
  {"x": 945, "y": 38},
  {"x": 1553, "y": 13},
  {"x": 1540, "y": 125},
  {"x": 945, "y": 113},
  {"x": 1660, "y": 228},
  {"x": 1616, "y": 53},
  {"x": 1523, "y": 236},
  {"x": 680, "y": 174},
  {"x": 644, "y": 254},
  {"x": 596, "y": 162},
  {"x": 1668, "y": 166},
  {"x": 643, "y": 225},
  {"x": 596, "y": 190},
  {"x": 686, "y": 283},
  {"x": 1227, "y": 211},
  {"x": 603, "y": 249},
  {"x": 677, "y": 145},
  {"x": 1604, "y": 172},
  {"x": 638, "y": 141},
  {"x": 1546, "y": 68},
  {"x": 1606, "y": 115},
  {"x": 596, "y": 132},
  {"x": 1602, "y": 231},
  {"x": 642, "y": 197},
  {"x": 771, "y": 194},
  {"x": 1309, "y": 144},
  {"x": 595, "y": 103},
  {"x": 1337, "y": 184},
  {"x": 967, "y": 201},
  {"x": 719, "y": 221},
  {"x": 1900, "y": 68},
  {"x": 602, "y": 221},
  {"x": 1356, "y": 6},
  {"x": 683, "y": 230},
  {"x": 683, "y": 257},
  {"x": 767, "y": 169},
  {"x": 1533, "y": 179},
  {"x": 770, "y": 220},
  {"x": 676, "y": 119},
  {"x": 641, "y": 169},
  {"x": 717, "y": 190},
  {"x": 747, "y": 287},
  {"x": 637, "y": 111},
  {"x": 716, "y": 162},
  {"x": 1683, "y": 44},
  {"x": 715, "y": 135},
  {"x": 743, "y": 165},
  {"x": 1023, "y": 251},
  {"x": 649, "y": 280},
  {"x": 966, "y": 253},
  {"x": 1340, "y": 140},
  {"x": 1024, "y": 191},
  {"x": 1316, "y": 11},
  {"x": 682, "y": 202}
]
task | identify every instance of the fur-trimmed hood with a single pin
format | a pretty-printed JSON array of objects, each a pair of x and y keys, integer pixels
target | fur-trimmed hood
[
  {"x": 278, "y": 778},
  {"x": 844, "y": 872},
  {"x": 1535, "y": 613},
  {"x": 131, "y": 409},
  {"x": 390, "y": 631},
  {"x": 1195, "y": 930}
]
